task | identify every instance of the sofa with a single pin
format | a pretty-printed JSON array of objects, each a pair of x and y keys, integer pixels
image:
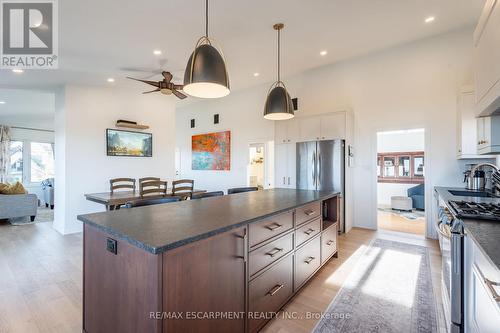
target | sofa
[
  {"x": 17, "y": 206},
  {"x": 417, "y": 195}
]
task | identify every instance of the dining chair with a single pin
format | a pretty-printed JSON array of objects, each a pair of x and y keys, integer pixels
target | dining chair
[
  {"x": 121, "y": 183},
  {"x": 241, "y": 190},
  {"x": 150, "y": 202},
  {"x": 148, "y": 179},
  {"x": 152, "y": 187},
  {"x": 208, "y": 195},
  {"x": 183, "y": 188}
]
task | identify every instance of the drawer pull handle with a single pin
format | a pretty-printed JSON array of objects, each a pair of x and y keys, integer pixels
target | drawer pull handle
[
  {"x": 309, "y": 231},
  {"x": 490, "y": 285},
  {"x": 275, "y": 289},
  {"x": 309, "y": 260},
  {"x": 330, "y": 242},
  {"x": 274, "y": 252},
  {"x": 310, "y": 212},
  {"x": 276, "y": 226}
]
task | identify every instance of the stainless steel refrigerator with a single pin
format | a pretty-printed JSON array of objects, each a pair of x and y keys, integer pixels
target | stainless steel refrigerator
[{"x": 321, "y": 166}]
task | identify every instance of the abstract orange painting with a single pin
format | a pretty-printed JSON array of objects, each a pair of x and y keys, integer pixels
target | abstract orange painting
[{"x": 211, "y": 151}]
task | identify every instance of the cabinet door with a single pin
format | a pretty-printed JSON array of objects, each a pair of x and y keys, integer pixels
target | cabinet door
[
  {"x": 487, "y": 52},
  {"x": 310, "y": 128},
  {"x": 467, "y": 134},
  {"x": 206, "y": 277},
  {"x": 485, "y": 313},
  {"x": 291, "y": 178},
  {"x": 292, "y": 130},
  {"x": 280, "y": 128},
  {"x": 480, "y": 132},
  {"x": 333, "y": 126},
  {"x": 280, "y": 165}
]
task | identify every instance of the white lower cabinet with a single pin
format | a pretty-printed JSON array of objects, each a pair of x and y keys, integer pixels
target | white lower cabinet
[
  {"x": 285, "y": 169},
  {"x": 482, "y": 311}
]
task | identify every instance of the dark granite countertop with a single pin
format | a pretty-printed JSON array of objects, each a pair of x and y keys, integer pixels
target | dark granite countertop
[
  {"x": 160, "y": 228},
  {"x": 486, "y": 234}
]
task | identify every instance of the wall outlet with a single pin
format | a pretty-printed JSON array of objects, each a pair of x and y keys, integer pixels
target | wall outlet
[{"x": 111, "y": 245}]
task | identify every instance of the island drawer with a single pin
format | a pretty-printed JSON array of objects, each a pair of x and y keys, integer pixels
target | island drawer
[
  {"x": 307, "y": 231},
  {"x": 307, "y": 212},
  {"x": 328, "y": 243},
  {"x": 307, "y": 261},
  {"x": 268, "y": 292},
  {"x": 269, "y": 253},
  {"x": 270, "y": 227}
]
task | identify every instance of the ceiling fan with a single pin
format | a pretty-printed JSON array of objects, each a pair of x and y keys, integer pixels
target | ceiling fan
[{"x": 165, "y": 86}]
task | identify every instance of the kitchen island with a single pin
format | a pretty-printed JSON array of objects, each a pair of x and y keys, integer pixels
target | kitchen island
[{"x": 222, "y": 264}]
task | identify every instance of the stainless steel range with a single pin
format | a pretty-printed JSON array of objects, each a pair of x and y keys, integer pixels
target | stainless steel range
[{"x": 476, "y": 210}]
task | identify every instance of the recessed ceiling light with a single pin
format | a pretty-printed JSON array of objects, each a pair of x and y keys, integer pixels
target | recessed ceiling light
[
  {"x": 17, "y": 71},
  {"x": 157, "y": 52},
  {"x": 323, "y": 53},
  {"x": 111, "y": 80},
  {"x": 256, "y": 74},
  {"x": 430, "y": 19},
  {"x": 2, "y": 102}
]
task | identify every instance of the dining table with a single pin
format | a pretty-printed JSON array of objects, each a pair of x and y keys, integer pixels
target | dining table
[{"x": 113, "y": 200}]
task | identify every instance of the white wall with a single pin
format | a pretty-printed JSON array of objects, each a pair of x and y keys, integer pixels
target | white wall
[
  {"x": 386, "y": 190},
  {"x": 82, "y": 116},
  {"x": 398, "y": 141},
  {"x": 410, "y": 86},
  {"x": 241, "y": 113}
]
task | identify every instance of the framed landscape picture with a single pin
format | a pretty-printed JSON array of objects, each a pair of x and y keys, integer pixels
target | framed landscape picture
[
  {"x": 128, "y": 143},
  {"x": 211, "y": 151}
]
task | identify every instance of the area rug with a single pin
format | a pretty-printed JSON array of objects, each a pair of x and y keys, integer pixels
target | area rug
[
  {"x": 389, "y": 290},
  {"x": 413, "y": 215}
]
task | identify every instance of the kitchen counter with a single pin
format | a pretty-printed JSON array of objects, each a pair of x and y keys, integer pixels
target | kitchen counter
[
  {"x": 160, "y": 228},
  {"x": 486, "y": 234},
  {"x": 237, "y": 254}
]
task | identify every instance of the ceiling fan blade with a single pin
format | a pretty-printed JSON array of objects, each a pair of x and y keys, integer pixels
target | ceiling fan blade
[
  {"x": 178, "y": 86},
  {"x": 152, "y": 91},
  {"x": 153, "y": 83},
  {"x": 178, "y": 94}
]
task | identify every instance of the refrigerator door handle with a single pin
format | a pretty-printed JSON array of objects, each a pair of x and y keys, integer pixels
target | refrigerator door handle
[
  {"x": 319, "y": 169},
  {"x": 314, "y": 168}
]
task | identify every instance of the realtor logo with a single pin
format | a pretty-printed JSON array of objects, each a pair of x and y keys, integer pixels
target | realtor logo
[{"x": 29, "y": 34}]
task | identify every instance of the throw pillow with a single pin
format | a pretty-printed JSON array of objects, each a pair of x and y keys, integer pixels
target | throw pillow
[{"x": 16, "y": 188}]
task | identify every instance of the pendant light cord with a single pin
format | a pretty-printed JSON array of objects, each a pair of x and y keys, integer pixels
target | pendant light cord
[
  {"x": 279, "y": 65},
  {"x": 206, "y": 18}
]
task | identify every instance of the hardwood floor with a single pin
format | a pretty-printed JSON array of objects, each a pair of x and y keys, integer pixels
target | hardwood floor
[
  {"x": 41, "y": 279},
  {"x": 395, "y": 222}
]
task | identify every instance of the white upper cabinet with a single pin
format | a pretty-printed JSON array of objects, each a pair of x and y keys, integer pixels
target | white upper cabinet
[
  {"x": 333, "y": 126},
  {"x": 486, "y": 59},
  {"x": 309, "y": 128},
  {"x": 488, "y": 135},
  {"x": 323, "y": 127},
  {"x": 467, "y": 127},
  {"x": 286, "y": 131}
]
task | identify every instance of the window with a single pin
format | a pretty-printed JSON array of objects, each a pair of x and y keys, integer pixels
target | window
[
  {"x": 42, "y": 161},
  {"x": 30, "y": 162},
  {"x": 404, "y": 166},
  {"x": 16, "y": 162},
  {"x": 401, "y": 167}
]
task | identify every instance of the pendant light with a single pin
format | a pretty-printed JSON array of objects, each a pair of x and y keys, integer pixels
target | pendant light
[
  {"x": 206, "y": 75},
  {"x": 279, "y": 105}
]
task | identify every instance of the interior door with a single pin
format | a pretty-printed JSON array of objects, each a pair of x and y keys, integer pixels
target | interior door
[{"x": 306, "y": 165}]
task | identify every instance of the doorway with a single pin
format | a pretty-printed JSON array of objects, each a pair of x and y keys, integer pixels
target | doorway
[
  {"x": 400, "y": 181},
  {"x": 256, "y": 173}
]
